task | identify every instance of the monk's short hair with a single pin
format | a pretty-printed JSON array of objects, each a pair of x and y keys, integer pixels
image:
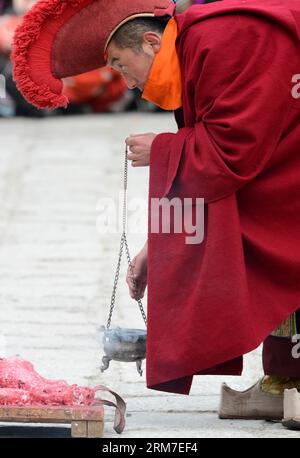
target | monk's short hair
[{"x": 130, "y": 34}]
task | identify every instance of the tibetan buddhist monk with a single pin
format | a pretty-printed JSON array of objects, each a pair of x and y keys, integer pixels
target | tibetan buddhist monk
[{"x": 230, "y": 71}]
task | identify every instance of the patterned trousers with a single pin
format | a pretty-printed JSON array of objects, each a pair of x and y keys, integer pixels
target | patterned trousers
[{"x": 281, "y": 350}]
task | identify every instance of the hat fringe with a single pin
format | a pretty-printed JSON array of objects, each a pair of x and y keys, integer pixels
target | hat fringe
[
  {"x": 38, "y": 71},
  {"x": 39, "y": 95}
]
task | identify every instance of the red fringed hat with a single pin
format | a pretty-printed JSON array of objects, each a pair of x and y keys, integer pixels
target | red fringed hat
[{"x": 61, "y": 38}]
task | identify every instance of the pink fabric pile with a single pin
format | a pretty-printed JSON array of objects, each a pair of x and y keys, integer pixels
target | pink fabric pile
[{"x": 21, "y": 385}]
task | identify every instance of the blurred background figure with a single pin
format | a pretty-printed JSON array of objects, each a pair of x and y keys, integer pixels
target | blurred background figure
[
  {"x": 11, "y": 15},
  {"x": 184, "y": 4},
  {"x": 102, "y": 90},
  {"x": 94, "y": 92},
  {"x": 21, "y": 6}
]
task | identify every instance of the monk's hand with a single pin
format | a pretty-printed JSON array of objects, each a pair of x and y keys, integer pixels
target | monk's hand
[
  {"x": 139, "y": 267},
  {"x": 140, "y": 149}
]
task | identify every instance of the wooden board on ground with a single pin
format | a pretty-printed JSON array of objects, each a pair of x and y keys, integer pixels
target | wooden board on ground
[{"x": 85, "y": 421}]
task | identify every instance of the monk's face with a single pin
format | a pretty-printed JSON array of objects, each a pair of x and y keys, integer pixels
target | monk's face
[{"x": 134, "y": 64}]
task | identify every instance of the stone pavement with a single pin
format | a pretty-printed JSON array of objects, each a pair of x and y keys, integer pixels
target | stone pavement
[{"x": 57, "y": 270}]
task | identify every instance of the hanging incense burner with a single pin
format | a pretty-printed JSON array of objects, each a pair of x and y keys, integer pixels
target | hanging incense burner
[{"x": 124, "y": 344}]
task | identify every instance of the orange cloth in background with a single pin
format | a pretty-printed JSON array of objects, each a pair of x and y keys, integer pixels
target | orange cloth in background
[
  {"x": 164, "y": 86},
  {"x": 8, "y": 25},
  {"x": 99, "y": 88}
]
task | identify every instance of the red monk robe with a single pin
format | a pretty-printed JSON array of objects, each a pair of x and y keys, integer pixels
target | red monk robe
[{"x": 238, "y": 147}]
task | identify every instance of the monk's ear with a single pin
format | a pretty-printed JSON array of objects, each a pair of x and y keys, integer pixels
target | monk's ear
[{"x": 154, "y": 40}]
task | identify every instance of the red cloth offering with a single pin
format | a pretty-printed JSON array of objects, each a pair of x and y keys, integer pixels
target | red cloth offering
[{"x": 21, "y": 385}]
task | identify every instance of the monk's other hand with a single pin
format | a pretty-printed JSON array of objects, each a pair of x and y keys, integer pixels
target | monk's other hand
[
  {"x": 140, "y": 149},
  {"x": 139, "y": 267}
]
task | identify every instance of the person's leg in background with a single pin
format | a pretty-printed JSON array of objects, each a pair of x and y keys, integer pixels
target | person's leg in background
[{"x": 281, "y": 364}]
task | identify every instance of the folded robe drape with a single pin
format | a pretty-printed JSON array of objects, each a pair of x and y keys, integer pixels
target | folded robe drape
[{"x": 238, "y": 147}]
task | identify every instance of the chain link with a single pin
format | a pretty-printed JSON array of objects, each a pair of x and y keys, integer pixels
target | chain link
[{"x": 124, "y": 242}]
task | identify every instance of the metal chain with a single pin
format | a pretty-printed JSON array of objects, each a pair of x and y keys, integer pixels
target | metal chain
[{"x": 124, "y": 242}]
